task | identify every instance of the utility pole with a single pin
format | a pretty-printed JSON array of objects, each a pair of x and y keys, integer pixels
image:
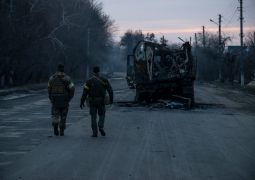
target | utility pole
[
  {"x": 196, "y": 39},
  {"x": 88, "y": 55},
  {"x": 253, "y": 38},
  {"x": 220, "y": 48},
  {"x": 11, "y": 9},
  {"x": 195, "y": 53},
  {"x": 163, "y": 40},
  {"x": 253, "y": 46},
  {"x": 220, "y": 45},
  {"x": 241, "y": 42},
  {"x": 11, "y": 6},
  {"x": 203, "y": 36}
]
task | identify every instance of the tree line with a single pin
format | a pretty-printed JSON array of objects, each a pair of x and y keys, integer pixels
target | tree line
[
  {"x": 131, "y": 38},
  {"x": 223, "y": 62},
  {"x": 36, "y": 35}
]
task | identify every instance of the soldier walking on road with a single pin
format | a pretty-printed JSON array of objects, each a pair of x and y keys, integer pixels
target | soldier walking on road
[
  {"x": 95, "y": 88},
  {"x": 61, "y": 91}
]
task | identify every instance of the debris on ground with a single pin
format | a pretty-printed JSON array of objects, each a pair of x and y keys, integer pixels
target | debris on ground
[
  {"x": 163, "y": 104},
  {"x": 158, "y": 104},
  {"x": 251, "y": 85},
  {"x": 175, "y": 105}
]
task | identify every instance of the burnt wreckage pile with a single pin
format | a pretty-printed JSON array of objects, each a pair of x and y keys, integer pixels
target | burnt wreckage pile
[{"x": 159, "y": 72}]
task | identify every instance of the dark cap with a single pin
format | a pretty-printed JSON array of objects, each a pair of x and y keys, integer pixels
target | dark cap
[
  {"x": 96, "y": 69},
  {"x": 61, "y": 67}
]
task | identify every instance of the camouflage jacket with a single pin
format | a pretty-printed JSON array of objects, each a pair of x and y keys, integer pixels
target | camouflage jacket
[
  {"x": 60, "y": 89},
  {"x": 95, "y": 88}
]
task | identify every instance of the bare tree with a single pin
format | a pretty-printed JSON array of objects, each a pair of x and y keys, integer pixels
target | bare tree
[
  {"x": 249, "y": 64},
  {"x": 210, "y": 57},
  {"x": 38, "y": 34},
  {"x": 130, "y": 39}
]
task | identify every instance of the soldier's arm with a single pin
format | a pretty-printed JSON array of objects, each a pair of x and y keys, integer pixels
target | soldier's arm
[
  {"x": 71, "y": 89},
  {"x": 86, "y": 89},
  {"x": 49, "y": 88},
  {"x": 109, "y": 90}
]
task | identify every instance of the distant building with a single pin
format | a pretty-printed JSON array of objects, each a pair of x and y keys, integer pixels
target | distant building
[
  {"x": 234, "y": 49},
  {"x": 237, "y": 49}
]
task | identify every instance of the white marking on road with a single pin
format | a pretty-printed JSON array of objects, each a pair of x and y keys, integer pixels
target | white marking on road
[
  {"x": 43, "y": 117},
  {"x": 76, "y": 110},
  {"x": 21, "y": 108},
  {"x": 12, "y": 97},
  {"x": 41, "y": 102},
  {"x": 16, "y": 121},
  {"x": 23, "y": 119},
  {"x": 5, "y": 153},
  {"x": 5, "y": 163},
  {"x": 76, "y": 116},
  {"x": 117, "y": 78},
  {"x": 11, "y": 134},
  {"x": 37, "y": 113},
  {"x": 35, "y": 129},
  {"x": 8, "y": 113},
  {"x": 119, "y": 92},
  {"x": 7, "y": 127}
]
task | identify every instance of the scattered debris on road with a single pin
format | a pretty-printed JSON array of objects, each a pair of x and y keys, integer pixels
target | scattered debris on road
[{"x": 162, "y": 104}]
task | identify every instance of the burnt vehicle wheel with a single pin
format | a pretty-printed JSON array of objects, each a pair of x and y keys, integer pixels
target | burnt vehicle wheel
[
  {"x": 142, "y": 96},
  {"x": 139, "y": 97},
  {"x": 148, "y": 99},
  {"x": 188, "y": 91}
]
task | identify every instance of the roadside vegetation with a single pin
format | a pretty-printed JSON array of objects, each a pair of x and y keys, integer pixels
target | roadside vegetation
[{"x": 36, "y": 35}]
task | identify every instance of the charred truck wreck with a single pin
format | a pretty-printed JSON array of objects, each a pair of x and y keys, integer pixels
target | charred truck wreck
[{"x": 158, "y": 72}]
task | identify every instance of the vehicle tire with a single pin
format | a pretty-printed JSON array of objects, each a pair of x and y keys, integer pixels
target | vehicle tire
[
  {"x": 138, "y": 97},
  {"x": 188, "y": 91}
]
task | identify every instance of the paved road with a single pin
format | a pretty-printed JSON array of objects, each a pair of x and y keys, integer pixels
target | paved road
[{"x": 142, "y": 143}]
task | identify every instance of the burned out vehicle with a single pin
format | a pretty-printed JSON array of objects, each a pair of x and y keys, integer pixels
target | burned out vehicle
[{"x": 159, "y": 72}]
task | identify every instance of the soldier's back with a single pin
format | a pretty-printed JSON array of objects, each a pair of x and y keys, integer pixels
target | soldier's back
[
  {"x": 59, "y": 89},
  {"x": 97, "y": 89}
]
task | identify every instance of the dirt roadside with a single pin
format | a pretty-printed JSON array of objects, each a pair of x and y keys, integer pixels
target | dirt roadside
[
  {"x": 240, "y": 98},
  {"x": 23, "y": 89}
]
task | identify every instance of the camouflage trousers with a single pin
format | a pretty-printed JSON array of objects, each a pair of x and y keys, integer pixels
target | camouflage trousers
[
  {"x": 94, "y": 110},
  {"x": 59, "y": 116}
]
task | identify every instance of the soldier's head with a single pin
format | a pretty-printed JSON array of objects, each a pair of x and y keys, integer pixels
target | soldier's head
[
  {"x": 96, "y": 69},
  {"x": 61, "y": 67}
]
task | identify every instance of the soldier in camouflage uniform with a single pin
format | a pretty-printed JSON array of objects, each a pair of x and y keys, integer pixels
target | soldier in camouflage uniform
[
  {"x": 61, "y": 91},
  {"x": 95, "y": 88}
]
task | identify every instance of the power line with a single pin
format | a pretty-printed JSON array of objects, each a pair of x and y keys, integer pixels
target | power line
[
  {"x": 230, "y": 10},
  {"x": 230, "y": 20}
]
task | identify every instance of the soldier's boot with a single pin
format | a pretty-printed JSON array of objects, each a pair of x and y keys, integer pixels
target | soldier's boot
[
  {"x": 102, "y": 131},
  {"x": 94, "y": 129},
  {"x": 56, "y": 133},
  {"x": 62, "y": 132},
  {"x": 94, "y": 133}
]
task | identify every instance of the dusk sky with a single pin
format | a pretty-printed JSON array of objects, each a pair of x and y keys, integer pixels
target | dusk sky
[{"x": 182, "y": 18}]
